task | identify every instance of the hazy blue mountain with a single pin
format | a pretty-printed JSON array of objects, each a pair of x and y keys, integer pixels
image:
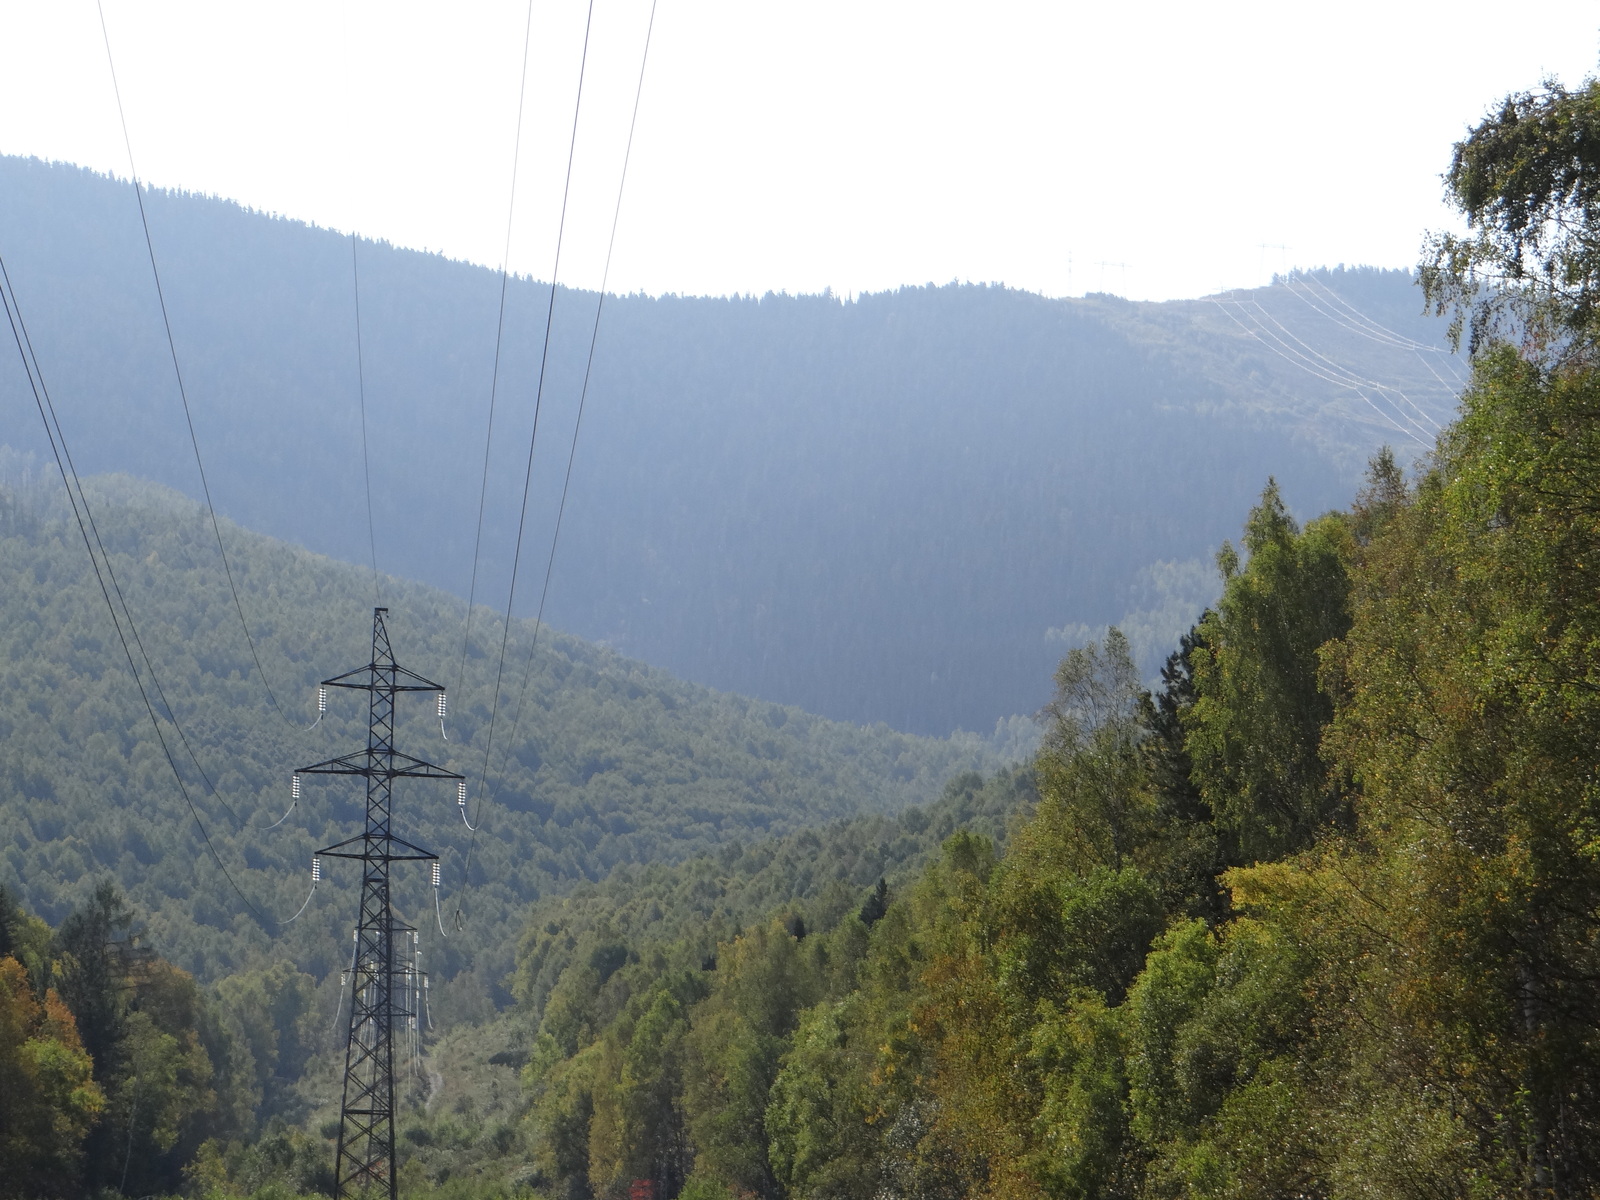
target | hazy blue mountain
[{"x": 900, "y": 508}]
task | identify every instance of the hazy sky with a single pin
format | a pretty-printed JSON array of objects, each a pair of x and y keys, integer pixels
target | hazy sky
[{"x": 1155, "y": 150}]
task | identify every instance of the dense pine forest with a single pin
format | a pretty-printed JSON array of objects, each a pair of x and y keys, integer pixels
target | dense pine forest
[{"x": 1316, "y": 916}]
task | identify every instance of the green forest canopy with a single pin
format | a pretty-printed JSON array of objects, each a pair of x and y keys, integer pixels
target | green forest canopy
[
  {"x": 613, "y": 762},
  {"x": 1319, "y": 918}
]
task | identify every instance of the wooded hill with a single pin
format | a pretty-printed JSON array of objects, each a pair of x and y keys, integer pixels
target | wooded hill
[
  {"x": 1318, "y": 918},
  {"x": 901, "y": 508},
  {"x": 121, "y": 1073},
  {"x": 613, "y": 762}
]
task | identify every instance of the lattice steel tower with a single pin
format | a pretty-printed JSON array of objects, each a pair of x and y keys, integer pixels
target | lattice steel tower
[{"x": 365, "y": 1156}]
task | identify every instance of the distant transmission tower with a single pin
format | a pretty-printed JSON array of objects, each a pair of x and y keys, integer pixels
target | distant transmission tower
[{"x": 378, "y": 1003}]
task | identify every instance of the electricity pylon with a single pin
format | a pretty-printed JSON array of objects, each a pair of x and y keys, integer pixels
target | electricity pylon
[{"x": 365, "y": 1156}]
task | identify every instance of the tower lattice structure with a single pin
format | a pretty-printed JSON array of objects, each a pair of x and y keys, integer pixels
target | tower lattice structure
[{"x": 364, "y": 1159}]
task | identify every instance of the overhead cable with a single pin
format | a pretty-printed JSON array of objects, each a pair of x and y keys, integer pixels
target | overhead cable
[
  {"x": 361, "y": 390},
  {"x": 80, "y": 508},
  {"x": 566, "y": 483},
  {"x": 1378, "y": 330},
  {"x": 31, "y": 364},
  {"x": 1354, "y": 379},
  {"x": 538, "y": 403},
  {"x": 1331, "y": 372},
  {"x": 499, "y": 339},
  {"x": 177, "y": 371},
  {"x": 1386, "y": 417},
  {"x": 300, "y": 912},
  {"x": 1297, "y": 359},
  {"x": 1373, "y": 331}
]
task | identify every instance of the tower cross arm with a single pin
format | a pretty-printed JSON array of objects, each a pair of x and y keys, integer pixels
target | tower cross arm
[
  {"x": 366, "y": 679},
  {"x": 393, "y": 765},
  {"x": 359, "y": 847}
]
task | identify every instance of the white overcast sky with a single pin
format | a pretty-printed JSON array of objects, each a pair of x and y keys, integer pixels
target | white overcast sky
[{"x": 1156, "y": 150}]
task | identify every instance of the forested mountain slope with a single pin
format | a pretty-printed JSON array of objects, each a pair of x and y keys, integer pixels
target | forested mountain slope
[
  {"x": 899, "y": 508},
  {"x": 242, "y": 1074},
  {"x": 613, "y": 762}
]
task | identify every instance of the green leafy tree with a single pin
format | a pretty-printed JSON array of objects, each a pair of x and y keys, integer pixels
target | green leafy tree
[
  {"x": 1080, "y": 1145},
  {"x": 48, "y": 1097},
  {"x": 1088, "y": 767},
  {"x": 271, "y": 1016},
  {"x": 739, "y": 1035},
  {"x": 821, "y": 1119},
  {"x": 561, "y": 1113},
  {"x": 9, "y": 919},
  {"x": 1527, "y": 179},
  {"x": 95, "y": 955},
  {"x": 655, "y": 1138},
  {"x": 1220, "y": 1086},
  {"x": 1254, "y": 732},
  {"x": 1193, "y": 850},
  {"x": 854, "y": 1111},
  {"x": 1470, "y": 726}
]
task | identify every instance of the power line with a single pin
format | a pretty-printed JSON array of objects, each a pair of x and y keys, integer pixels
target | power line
[
  {"x": 1295, "y": 358},
  {"x": 1305, "y": 358},
  {"x": 31, "y": 362},
  {"x": 1373, "y": 331},
  {"x": 177, "y": 371},
  {"x": 1312, "y": 369},
  {"x": 1346, "y": 372},
  {"x": 81, "y": 512},
  {"x": 1379, "y": 331},
  {"x": 499, "y": 337},
  {"x": 361, "y": 368},
  {"x": 566, "y": 483},
  {"x": 361, "y": 386},
  {"x": 538, "y": 402}
]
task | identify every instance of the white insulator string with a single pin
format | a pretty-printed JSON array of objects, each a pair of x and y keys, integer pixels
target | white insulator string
[
  {"x": 438, "y": 912},
  {"x": 322, "y": 708}
]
